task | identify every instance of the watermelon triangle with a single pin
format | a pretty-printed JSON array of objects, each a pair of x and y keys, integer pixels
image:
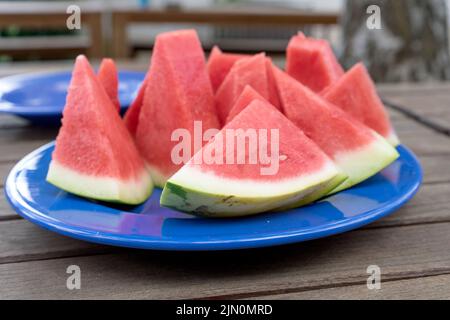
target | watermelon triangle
[
  {"x": 219, "y": 64},
  {"x": 251, "y": 71},
  {"x": 177, "y": 93},
  {"x": 356, "y": 94},
  {"x": 131, "y": 117},
  {"x": 225, "y": 188},
  {"x": 95, "y": 156},
  {"x": 312, "y": 62},
  {"x": 107, "y": 75},
  {"x": 248, "y": 95},
  {"x": 356, "y": 149},
  {"x": 272, "y": 87}
]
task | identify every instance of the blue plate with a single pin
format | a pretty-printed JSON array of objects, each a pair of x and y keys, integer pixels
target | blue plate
[
  {"x": 40, "y": 97},
  {"x": 149, "y": 226}
]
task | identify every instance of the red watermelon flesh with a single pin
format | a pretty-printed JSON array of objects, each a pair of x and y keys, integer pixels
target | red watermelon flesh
[
  {"x": 107, "y": 75},
  {"x": 312, "y": 62},
  {"x": 356, "y": 94},
  {"x": 131, "y": 117},
  {"x": 219, "y": 64},
  {"x": 224, "y": 189},
  {"x": 355, "y": 148},
  {"x": 251, "y": 71},
  {"x": 272, "y": 86},
  {"x": 95, "y": 156},
  {"x": 247, "y": 96},
  {"x": 178, "y": 92}
]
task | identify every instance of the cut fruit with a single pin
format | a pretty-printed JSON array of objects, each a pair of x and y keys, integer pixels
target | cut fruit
[
  {"x": 272, "y": 86},
  {"x": 222, "y": 188},
  {"x": 219, "y": 64},
  {"x": 355, "y": 93},
  {"x": 178, "y": 93},
  {"x": 312, "y": 62},
  {"x": 95, "y": 156},
  {"x": 356, "y": 149},
  {"x": 131, "y": 117},
  {"x": 107, "y": 75},
  {"x": 250, "y": 71},
  {"x": 247, "y": 96}
]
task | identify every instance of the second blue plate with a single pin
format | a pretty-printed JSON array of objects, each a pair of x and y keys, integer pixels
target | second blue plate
[{"x": 40, "y": 97}]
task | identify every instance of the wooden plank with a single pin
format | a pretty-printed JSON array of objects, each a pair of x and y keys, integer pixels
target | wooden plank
[
  {"x": 9, "y": 121},
  {"x": 404, "y": 252},
  {"x": 15, "y": 151},
  {"x": 432, "y": 288},
  {"x": 5, "y": 167},
  {"x": 435, "y": 168},
  {"x": 430, "y": 205},
  {"x": 17, "y": 142},
  {"x": 20, "y": 240},
  {"x": 413, "y": 89},
  {"x": 422, "y": 140},
  {"x": 6, "y": 212},
  {"x": 433, "y": 108}
]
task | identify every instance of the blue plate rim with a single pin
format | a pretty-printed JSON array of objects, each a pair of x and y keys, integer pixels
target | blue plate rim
[
  {"x": 106, "y": 238},
  {"x": 22, "y": 110}
]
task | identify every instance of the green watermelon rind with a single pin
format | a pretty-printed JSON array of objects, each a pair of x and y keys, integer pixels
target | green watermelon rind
[
  {"x": 317, "y": 194},
  {"x": 132, "y": 192},
  {"x": 371, "y": 159},
  {"x": 212, "y": 200}
]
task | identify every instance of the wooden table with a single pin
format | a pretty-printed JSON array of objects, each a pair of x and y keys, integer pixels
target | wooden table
[
  {"x": 410, "y": 246},
  {"x": 229, "y": 15}
]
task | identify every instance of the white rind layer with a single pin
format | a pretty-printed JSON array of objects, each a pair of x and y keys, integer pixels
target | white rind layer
[
  {"x": 365, "y": 162},
  {"x": 100, "y": 188},
  {"x": 204, "y": 193},
  {"x": 157, "y": 177},
  {"x": 393, "y": 139}
]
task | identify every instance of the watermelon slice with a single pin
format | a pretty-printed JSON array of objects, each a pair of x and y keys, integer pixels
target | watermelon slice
[
  {"x": 107, "y": 75},
  {"x": 219, "y": 64},
  {"x": 272, "y": 86},
  {"x": 131, "y": 117},
  {"x": 95, "y": 156},
  {"x": 213, "y": 189},
  {"x": 356, "y": 94},
  {"x": 250, "y": 71},
  {"x": 312, "y": 62},
  {"x": 177, "y": 93},
  {"x": 356, "y": 149},
  {"x": 247, "y": 96}
]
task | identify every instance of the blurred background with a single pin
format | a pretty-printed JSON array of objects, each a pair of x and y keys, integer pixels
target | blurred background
[{"x": 405, "y": 40}]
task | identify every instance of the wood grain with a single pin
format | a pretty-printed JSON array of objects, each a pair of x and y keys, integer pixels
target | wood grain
[
  {"x": 433, "y": 288},
  {"x": 404, "y": 252},
  {"x": 428, "y": 104},
  {"x": 22, "y": 241},
  {"x": 430, "y": 205}
]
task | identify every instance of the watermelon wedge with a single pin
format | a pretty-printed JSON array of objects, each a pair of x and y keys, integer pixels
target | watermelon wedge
[
  {"x": 107, "y": 75},
  {"x": 131, "y": 117},
  {"x": 95, "y": 156},
  {"x": 250, "y": 71},
  {"x": 312, "y": 62},
  {"x": 177, "y": 93},
  {"x": 219, "y": 64},
  {"x": 247, "y": 96},
  {"x": 356, "y": 149},
  {"x": 222, "y": 188},
  {"x": 356, "y": 94}
]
